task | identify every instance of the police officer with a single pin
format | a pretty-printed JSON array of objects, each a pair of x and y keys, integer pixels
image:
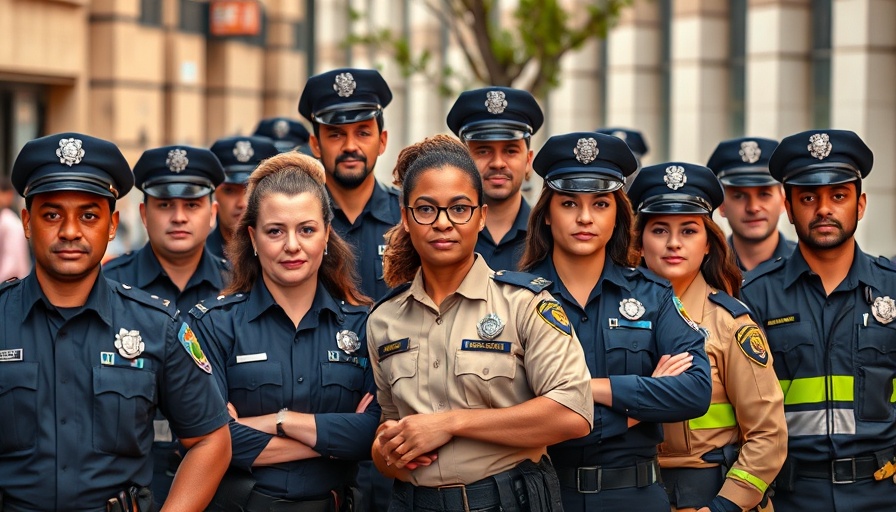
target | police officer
[
  {"x": 287, "y": 343},
  {"x": 676, "y": 238},
  {"x": 754, "y": 201},
  {"x": 828, "y": 314},
  {"x": 627, "y": 318},
  {"x": 239, "y": 156},
  {"x": 87, "y": 361},
  {"x": 287, "y": 134},
  {"x": 477, "y": 371},
  {"x": 635, "y": 141},
  {"x": 345, "y": 108},
  {"x": 497, "y": 124}
]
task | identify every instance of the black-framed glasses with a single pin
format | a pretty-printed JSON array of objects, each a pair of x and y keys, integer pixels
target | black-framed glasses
[{"x": 427, "y": 215}]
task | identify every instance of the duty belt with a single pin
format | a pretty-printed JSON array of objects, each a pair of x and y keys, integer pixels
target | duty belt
[
  {"x": 594, "y": 479},
  {"x": 260, "y": 501},
  {"x": 840, "y": 471}
]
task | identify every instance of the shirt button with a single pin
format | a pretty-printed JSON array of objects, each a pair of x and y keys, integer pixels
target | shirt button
[
  {"x": 439, "y": 320},
  {"x": 436, "y": 364},
  {"x": 441, "y": 405},
  {"x": 300, "y": 380},
  {"x": 635, "y": 344},
  {"x": 584, "y": 318},
  {"x": 485, "y": 371}
]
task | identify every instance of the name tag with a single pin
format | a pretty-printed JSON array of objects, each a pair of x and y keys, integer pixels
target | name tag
[
  {"x": 336, "y": 356},
  {"x": 12, "y": 354},
  {"x": 112, "y": 359},
  {"x": 382, "y": 249},
  {"x": 392, "y": 348},
  {"x": 249, "y": 358},
  {"x": 789, "y": 319},
  {"x": 486, "y": 346},
  {"x": 616, "y": 323}
]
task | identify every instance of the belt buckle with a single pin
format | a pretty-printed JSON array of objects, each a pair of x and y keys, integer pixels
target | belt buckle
[
  {"x": 834, "y": 479},
  {"x": 463, "y": 493},
  {"x": 598, "y": 478}
]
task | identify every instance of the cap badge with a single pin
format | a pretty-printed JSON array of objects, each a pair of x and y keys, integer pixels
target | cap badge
[
  {"x": 750, "y": 151},
  {"x": 675, "y": 177},
  {"x": 631, "y": 308},
  {"x": 620, "y": 134},
  {"x": 281, "y": 128},
  {"x": 129, "y": 343},
  {"x": 495, "y": 102},
  {"x": 820, "y": 146},
  {"x": 345, "y": 85},
  {"x": 243, "y": 150},
  {"x": 347, "y": 341},
  {"x": 883, "y": 309},
  {"x": 490, "y": 327},
  {"x": 70, "y": 151},
  {"x": 177, "y": 160},
  {"x": 586, "y": 150}
]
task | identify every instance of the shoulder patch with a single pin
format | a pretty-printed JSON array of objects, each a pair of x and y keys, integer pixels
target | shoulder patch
[
  {"x": 9, "y": 283},
  {"x": 552, "y": 313},
  {"x": 119, "y": 260},
  {"x": 353, "y": 308},
  {"x": 188, "y": 339},
  {"x": 207, "y": 305},
  {"x": 649, "y": 275},
  {"x": 531, "y": 282},
  {"x": 684, "y": 314},
  {"x": 732, "y": 305},
  {"x": 398, "y": 290},
  {"x": 763, "y": 268},
  {"x": 885, "y": 263},
  {"x": 138, "y": 295},
  {"x": 752, "y": 343}
]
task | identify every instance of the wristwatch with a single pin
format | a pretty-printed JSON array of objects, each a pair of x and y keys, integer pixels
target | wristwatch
[{"x": 281, "y": 415}]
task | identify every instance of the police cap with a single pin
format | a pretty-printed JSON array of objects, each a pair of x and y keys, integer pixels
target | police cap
[
  {"x": 821, "y": 157},
  {"x": 495, "y": 113},
  {"x": 286, "y": 133},
  {"x": 743, "y": 162},
  {"x": 178, "y": 172},
  {"x": 71, "y": 161},
  {"x": 633, "y": 138},
  {"x": 676, "y": 187},
  {"x": 343, "y": 96},
  {"x": 584, "y": 162},
  {"x": 241, "y": 155}
]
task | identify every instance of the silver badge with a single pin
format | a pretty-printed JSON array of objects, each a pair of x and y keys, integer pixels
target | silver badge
[
  {"x": 70, "y": 151},
  {"x": 675, "y": 177},
  {"x": 345, "y": 85},
  {"x": 347, "y": 341},
  {"x": 750, "y": 151},
  {"x": 631, "y": 308},
  {"x": 820, "y": 146},
  {"x": 177, "y": 160},
  {"x": 490, "y": 327},
  {"x": 243, "y": 150},
  {"x": 281, "y": 128},
  {"x": 586, "y": 150},
  {"x": 540, "y": 281},
  {"x": 129, "y": 343},
  {"x": 620, "y": 134},
  {"x": 495, "y": 102},
  {"x": 884, "y": 309}
]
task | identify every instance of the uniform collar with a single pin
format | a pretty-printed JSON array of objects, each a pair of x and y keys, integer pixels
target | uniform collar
[
  {"x": 521, "y": 222},
  {"x": 694, "y": 298},
  {"x": 474, "y": 286},
  {"x": 611, "y": 273},
  {"x": 378, "y": 205},
  {"x": 859, "y": 271},
  {"x": 149, "y": 269},
  {"x": 260, "y": 300},
  {"x": 99, "y": 298}
]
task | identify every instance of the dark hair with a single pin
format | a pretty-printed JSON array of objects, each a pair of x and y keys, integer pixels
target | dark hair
[
  {"x": 719, "y": 268},
  {"x": 380, "y": 124},
  {"x": 540, "y": 243},
  {"x": 291, "y": 174}
]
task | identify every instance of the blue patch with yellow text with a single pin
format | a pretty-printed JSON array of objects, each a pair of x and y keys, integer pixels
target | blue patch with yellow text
[
  {"x": 392, "y": 348},
  {"x": 486, "y": 346}
]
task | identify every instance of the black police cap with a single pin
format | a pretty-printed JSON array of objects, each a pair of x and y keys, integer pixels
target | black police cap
[
  {"x": 71, "y": 161},
  {"x": 286, "y": 133},
  {"x": 495, "y": 113},
  {"x": 178, "y": 172},
  {"x": 584, "y": 162},
  {"x": 743, "y": 162},
  {"x": 241, "y": 155},
  {"x": 633, "y": 138},
  {"x": 676, "y": 187},
  {"x": 343, "y": 96},
  {"x": 821, "y": 157}
]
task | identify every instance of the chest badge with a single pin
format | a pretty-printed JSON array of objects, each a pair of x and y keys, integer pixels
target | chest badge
[
  {"x": 347, "y": 341},
  {"x": 884, "y": 309},
  {"x": 631, "y": 309},
  {"x": 129, "y": 343},
  {"x": 490, "y": 327}
]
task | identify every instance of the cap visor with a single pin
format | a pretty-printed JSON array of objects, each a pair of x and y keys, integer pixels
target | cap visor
[
  {"x": 584, "y": 184},
  {"x": 177, "y": 190},
  {"x": 237, "y": 177},
  {"x": 347, "y": 116},
  {"x": 72, "y": 186},
  {"x": 825, "y": 177},
  {"x": 749, "y": 180},
  {"x": 672, "y": 208}
]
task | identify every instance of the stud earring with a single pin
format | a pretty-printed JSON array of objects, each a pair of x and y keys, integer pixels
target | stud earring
[{"x": 326, "y": 249}]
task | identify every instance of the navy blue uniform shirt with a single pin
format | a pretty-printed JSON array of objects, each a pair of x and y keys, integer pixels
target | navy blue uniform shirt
[
  {"x": 381, "y": 213},
  {"x": 627, "y": 351},
  {"x": 506, "y": 254},
  {"x": 77, "y": 414},
  {"x": 263, "y": 363},
  {"x": 782, "y": 250},
  {"x": 215, "y": 242}
]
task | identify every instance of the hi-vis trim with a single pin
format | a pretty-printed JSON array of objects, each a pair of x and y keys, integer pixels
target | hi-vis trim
[
  {"x": 718, "y": 416},
  {"x": 815, "y": 423},
  {"x": 811, "y": 390}
]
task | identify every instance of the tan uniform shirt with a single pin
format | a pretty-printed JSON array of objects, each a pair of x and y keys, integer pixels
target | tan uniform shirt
[
  {"x": 743, "y": 390},
  {"x": 430, "y": 359}
]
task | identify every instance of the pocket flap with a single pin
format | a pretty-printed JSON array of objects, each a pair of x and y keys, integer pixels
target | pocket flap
[
  {"x": 126, "y": 382},
  {"x": 253, "y": 375},
  {"x": 22, "y": 374}
]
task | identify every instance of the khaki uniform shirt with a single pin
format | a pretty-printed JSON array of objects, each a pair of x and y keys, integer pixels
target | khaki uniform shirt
[
  {"x": 429, "y": 359},
  {"x": 747, "y": 403}
]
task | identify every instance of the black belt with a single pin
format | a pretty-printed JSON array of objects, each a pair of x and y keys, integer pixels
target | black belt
[
  {"x": 259, "y": 502},
  {"x": 840, "y": 471},
  {"x": 593, "y": 479},
  {"x": 478, "y": 495}
]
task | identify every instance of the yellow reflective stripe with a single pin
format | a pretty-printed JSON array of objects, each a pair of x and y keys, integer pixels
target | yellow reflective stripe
[
  {"x": 811, "y": 390},
  {"x": 718, "y": 416},
  {"x": 750, "y": 479},
  {"x": 893, "y": 396}
]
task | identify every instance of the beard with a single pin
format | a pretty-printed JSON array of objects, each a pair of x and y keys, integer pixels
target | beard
[
  {"x": 348, "y": 180},
  {"x": 822, "y": 242}
]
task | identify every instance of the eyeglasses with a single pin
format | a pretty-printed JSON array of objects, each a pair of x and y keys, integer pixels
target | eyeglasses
[{"x": 427, "y": 215}]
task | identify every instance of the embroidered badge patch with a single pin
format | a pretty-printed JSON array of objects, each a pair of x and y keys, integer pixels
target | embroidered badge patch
[
  {"x": 551, "y": 312},
  {"x": 191, "y": 345},
  {"x": 753, "y": 344},
  {"x": 684, "y": 314}
]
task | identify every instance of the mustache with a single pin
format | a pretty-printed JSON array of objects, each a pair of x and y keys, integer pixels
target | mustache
[
  {"x": 825, "y": 222},
  {"x": 498, "y": 173},
  {"x": 351, "y": 156},
  {"x": 69, "y": 246}
]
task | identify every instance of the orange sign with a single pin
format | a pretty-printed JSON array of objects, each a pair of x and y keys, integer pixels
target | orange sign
[{"x": 235, "y": 17}]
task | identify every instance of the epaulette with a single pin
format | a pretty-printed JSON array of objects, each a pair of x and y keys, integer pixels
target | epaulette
[
  {"x": 531, "y": 282},
  {"x": 119, "y": 260},
  {"x": 207, "y": 305},
  {"x": 392, "y": 293},
  {"x": 732, "y": 305},
  {"x": 9, "y": 283},
  {"x": 154, "y": 301},
  {"x": 763, "y": 268},
  {"x": 648, "y": 274},
  {"x": 885, "y": 263}
]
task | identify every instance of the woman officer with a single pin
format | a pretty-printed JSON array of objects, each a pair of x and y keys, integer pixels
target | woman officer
[
  {"x": 286, "y": 341},
  {"x": 676, "y": 238},
  {"x": 477, "y": 372},
  {"x": 626, "y": 318}
]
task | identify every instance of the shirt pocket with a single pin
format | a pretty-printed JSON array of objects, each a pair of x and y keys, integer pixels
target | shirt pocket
[
  {"x": 124, "y": 405},
  {"x": 484, "y": 375},
  {"x": 630, "y": 350},
  {"x": 875, "y": 371},
  {"x": 400, "y": 371},
  {"x": 795, "y": 351},
  {"x": 255, "y": 388},
  {"x": 18, "y": 399},
  {"x": 341, "y": 387}
]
